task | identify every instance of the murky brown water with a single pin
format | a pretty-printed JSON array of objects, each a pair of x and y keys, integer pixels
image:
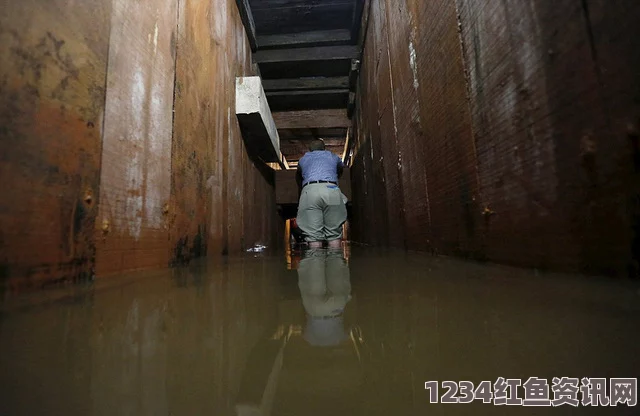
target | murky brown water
[{"x": 322, "y": 336}]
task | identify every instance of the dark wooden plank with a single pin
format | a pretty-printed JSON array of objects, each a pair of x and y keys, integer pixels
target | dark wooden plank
[
  {"x": 307, "y": 102},
  {"x": 336, "y": 91},
  {"x": 313, "y": 38},
  {"x": 294, "y": 154},
  {"x": 320, "y": 53},
  {"x": 249, "y": 24},
  {"x": 303, "y": 19},
  {"x": 305, "y": 83},
  {"x": 294, "y": 149},
  {"x": 308, "y": 69},
  {"x": 329, "y": 142},
  {"x": 358, "y": 12},
  {"x": 310, "y": 133},
  {"x": 280, "y": 4},
  {"x": 311, "y": 119}
]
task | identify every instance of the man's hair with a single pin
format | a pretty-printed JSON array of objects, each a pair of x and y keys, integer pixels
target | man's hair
[{"x": 316, "y": 144}]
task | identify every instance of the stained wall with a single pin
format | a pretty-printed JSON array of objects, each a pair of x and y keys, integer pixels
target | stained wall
[
  {"x": 515, "y": 132},
  {"x": 53, "y": 74},
  {"x": 120, "y": 149}
]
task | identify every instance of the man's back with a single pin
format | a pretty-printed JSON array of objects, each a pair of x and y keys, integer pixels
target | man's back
[{"x": 319, "y": 165}]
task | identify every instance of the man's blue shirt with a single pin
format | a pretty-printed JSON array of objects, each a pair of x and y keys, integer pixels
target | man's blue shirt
[{"x": 319, "y": 165}]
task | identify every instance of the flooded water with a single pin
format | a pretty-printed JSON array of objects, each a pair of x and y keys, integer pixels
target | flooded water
[{"x": 354, "y": 332}]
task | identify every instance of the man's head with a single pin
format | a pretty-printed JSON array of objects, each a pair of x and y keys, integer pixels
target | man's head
[{"x": 316, "y": 144}]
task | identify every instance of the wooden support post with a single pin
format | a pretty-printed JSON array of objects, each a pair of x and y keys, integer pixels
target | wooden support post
[{"x": 346, "y": 147}]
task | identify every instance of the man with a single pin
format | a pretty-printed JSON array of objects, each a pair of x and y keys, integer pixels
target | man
[{"x": 322, "y": 210}]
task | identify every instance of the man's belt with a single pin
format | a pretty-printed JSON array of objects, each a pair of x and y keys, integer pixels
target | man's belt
[{"x": 309, "y": 183}]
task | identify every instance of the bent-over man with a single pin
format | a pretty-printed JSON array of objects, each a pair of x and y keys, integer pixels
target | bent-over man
[{"x": 322, "y": 210}]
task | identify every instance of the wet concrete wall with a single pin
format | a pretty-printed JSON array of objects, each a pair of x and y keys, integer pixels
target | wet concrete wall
[
  {"x": 504, "y": 131},
  {"x": 120, "y": 149}
]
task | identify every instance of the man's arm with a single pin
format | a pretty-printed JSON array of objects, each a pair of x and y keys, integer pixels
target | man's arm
[{"x": 299, "y": 179}]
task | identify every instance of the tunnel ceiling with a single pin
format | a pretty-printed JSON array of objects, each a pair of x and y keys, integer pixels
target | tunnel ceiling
[{"x": 308, "y": 53}]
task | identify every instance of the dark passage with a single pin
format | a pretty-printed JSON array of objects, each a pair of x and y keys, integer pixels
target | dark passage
[{"x": 334, "y": 336}]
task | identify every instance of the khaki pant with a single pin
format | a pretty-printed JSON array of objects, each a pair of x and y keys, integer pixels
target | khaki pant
[{"x": 322, "y": 212}]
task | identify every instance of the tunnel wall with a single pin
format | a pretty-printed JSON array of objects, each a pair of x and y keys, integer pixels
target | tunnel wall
[
  {"x": 119, "y": 145},
  {"x": 502, "y": 131}
]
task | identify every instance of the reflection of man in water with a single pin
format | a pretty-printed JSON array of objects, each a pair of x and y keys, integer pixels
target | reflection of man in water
[
  {"x": 325, "y": 287},
  {"x": 283, "y": 372}
]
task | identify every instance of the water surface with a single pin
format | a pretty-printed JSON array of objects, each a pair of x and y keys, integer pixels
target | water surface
[{"x": 355, "y": 332}]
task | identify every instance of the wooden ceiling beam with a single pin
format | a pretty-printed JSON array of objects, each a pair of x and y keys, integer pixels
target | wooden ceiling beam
[
  {"x": 337, "y": 91},
  {"x": 305, "y": 83},
  {"x": 313, "y": 38},
  {"x": 277, "y": 4},
  {"x": 295, "y": 157},
  {"x": 319, "y": 53},
  {"x": 311, "y": 119}
]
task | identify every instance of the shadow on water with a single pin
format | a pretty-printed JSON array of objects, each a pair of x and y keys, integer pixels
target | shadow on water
[{"x": 347, "y": 332}]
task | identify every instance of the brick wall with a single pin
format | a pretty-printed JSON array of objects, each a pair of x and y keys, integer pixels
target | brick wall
[
  {"x": 119, "y": 146},
  {"x": 515, "y": 132}
]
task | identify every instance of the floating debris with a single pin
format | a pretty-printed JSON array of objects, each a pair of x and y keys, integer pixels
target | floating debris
[{"x": 258, "y": 248}]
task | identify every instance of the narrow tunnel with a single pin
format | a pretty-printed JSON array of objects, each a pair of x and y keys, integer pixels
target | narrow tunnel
[{"x": 148, "y": 256}]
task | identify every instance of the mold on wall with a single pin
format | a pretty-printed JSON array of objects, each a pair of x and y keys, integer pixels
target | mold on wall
[
  {"x": 52, "y": 93},
  {"x": 119, "y": 150}
]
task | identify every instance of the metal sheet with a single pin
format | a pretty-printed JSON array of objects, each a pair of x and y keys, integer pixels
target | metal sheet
[
  {"x": 52, "y": 86},
  {"x": 221, "y": 202},
  {"x": 135, "y": 177}
]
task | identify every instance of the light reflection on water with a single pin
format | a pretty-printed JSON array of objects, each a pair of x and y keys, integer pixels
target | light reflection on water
[{"x": 347, "y": 332}]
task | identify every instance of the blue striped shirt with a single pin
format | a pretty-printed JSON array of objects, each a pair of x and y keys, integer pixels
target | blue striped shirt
[{"x": 319, "y": 165}]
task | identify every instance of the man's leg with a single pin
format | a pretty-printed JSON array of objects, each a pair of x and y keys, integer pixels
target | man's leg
[
  {"x": 312, "y": 281},
  {"x": 310, "y": 216},
  {"x": 335, "y": 215}
]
